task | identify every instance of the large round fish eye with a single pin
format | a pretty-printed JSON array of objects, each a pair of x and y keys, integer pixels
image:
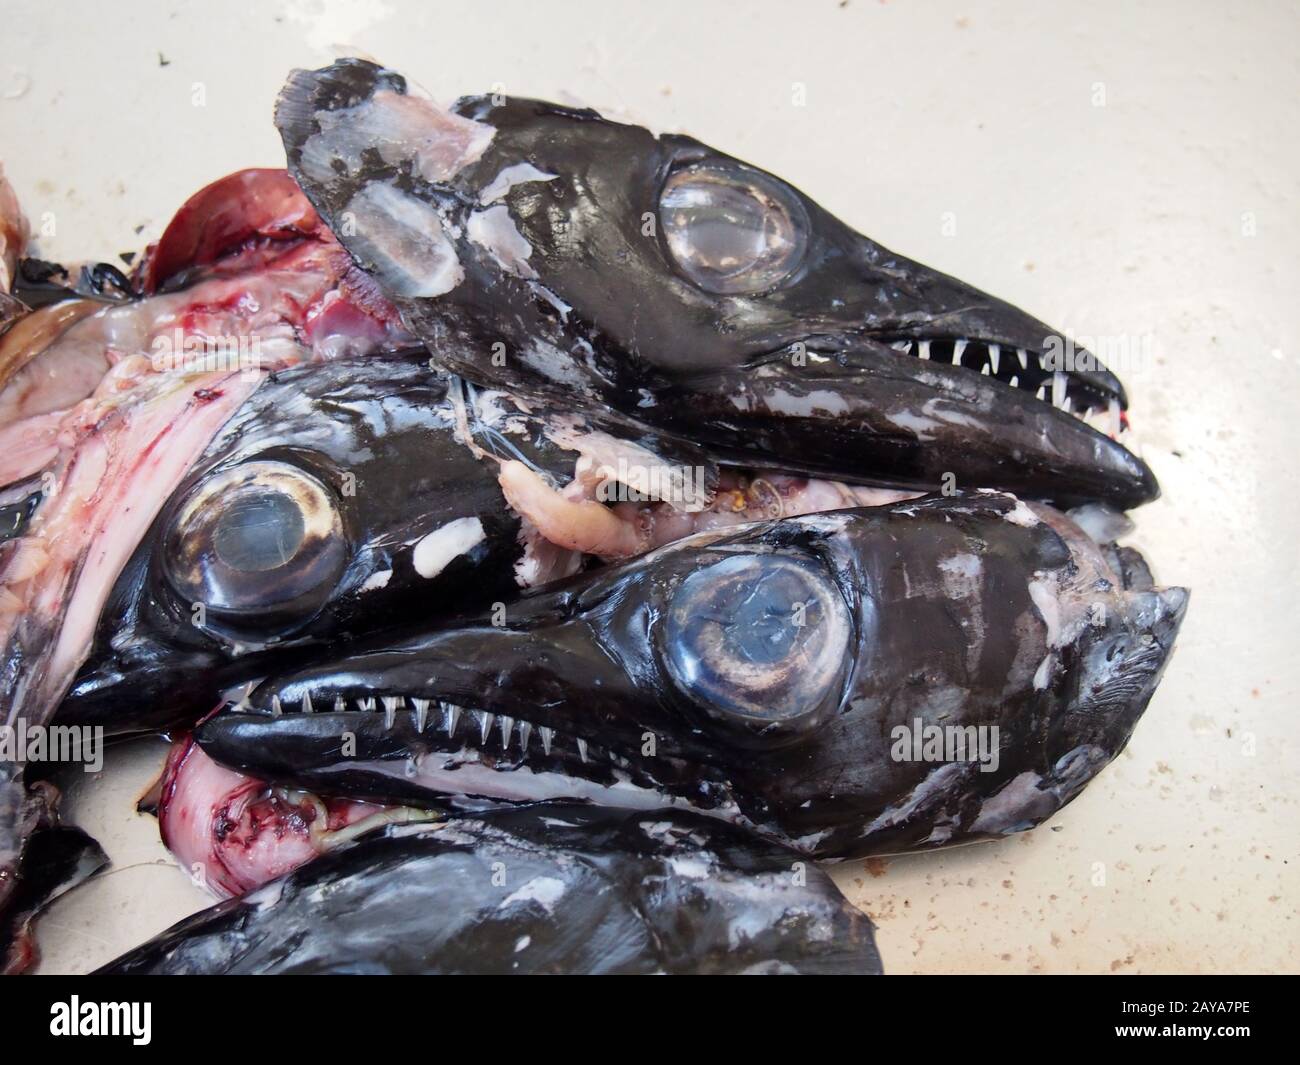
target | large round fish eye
[
  {"x": 732, "y": 230},
  {"x": 762, "y": 639},
  {"x": 261, "y": 538}
]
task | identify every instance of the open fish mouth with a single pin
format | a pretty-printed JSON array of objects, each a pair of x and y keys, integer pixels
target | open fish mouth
[
  {"x": 574, "y": 255},
  {"x": 760, "y": 676}
]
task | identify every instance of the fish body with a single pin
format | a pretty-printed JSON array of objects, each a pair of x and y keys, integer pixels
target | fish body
[{"x": 538, "y": 890}]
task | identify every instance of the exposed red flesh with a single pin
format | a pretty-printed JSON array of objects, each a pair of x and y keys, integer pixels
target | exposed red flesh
[
  {"x": 222, "y": 217},
  {"x": 236, "y": 833}
]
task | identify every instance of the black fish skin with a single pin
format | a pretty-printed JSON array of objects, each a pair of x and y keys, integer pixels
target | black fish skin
[
  {"x": 378, "y": 433},
  {"x": 538, "y": 890},
  {"x": 967, "y": 611},
  {"x": 55, "y": 859},
  {"x": 738, "y": 373}
]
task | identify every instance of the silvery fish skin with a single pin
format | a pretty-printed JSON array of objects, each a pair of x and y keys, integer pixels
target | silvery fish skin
[
  {"x": 785, "y": 676},
  {"x": 537, "y": 890},
  {"x": 570, "y": 255}
]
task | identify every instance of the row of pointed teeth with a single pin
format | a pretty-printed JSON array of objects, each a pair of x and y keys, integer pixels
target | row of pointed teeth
[
  {"x": 449, "y": 717},
  {"x": 1053, "y": 389}
]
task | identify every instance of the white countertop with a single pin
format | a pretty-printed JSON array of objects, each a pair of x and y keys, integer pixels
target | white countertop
[{"x": 1117, "y": 173}]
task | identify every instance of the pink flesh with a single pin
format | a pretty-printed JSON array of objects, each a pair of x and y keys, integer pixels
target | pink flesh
[
  {"x": 224, "y": 215},
  {"x": 572, "y": 519},
  {"x": 575, "y": 524},
  {"x": 134, "y": 411},
  {"x": 234, "y": 832},
  {"x": 117, "y": 464},
  {"x": 13, "y": 233}
]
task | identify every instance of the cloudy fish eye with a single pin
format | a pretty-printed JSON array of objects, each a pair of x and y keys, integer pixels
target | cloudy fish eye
[
  {"x": 261, "y": 537},
  {"x": 760, "y": 638},
  {"x": 732, "y": 230}
]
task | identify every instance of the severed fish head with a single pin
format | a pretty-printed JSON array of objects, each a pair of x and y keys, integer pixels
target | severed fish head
[
  {"x": 575, "y": 256},
  {"x": 868, "y": 681}
]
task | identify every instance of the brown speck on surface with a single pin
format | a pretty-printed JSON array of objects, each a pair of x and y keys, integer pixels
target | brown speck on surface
[
  {"x": 876, "y": 866},
  {"x": 206, "y": 395},
  {"x": 163, "y": 61}
]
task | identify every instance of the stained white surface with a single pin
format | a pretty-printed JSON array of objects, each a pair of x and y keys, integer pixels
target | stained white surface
[{"x": 1120, "y": 173}]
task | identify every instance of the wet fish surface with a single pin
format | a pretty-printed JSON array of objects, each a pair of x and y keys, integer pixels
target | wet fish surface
[{"x": 537, "y": 890}]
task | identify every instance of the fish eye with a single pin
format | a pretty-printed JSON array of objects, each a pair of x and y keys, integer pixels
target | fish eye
[
  {"x": 263, "y": 540},
  {"x": 759, "y": 639},
  {"x": 732, "y": 230}
]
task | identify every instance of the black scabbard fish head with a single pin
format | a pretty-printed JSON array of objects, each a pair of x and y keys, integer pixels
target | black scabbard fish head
[
  {"x": 338, "y": 499},
  {"x": 866, "y": 681},
  {"x": 573, "y": 255}
]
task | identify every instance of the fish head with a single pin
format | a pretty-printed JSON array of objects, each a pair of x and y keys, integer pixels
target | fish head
[
  {"x": 332, "y": 500},
  {"x": 575, "y": 255},
  {"x": 768, "y": 675}
]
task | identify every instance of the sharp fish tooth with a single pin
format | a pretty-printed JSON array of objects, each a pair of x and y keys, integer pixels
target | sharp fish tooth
[
  {"x": 450, "y": 717},
  {"x": 1112, "y": 416},
  {"x": 901, "y": 345},
  {"x": 985, "y": 369},
  {"x": 276, "y": 708},
  {"x": 391, "y": 703},
  {"x": 507, "y": 727},
  {"x": 307, "y": 708},
  {"x": 1015, "y": 381},
  {"x": 547, "y": 734},
  {"x": 995, "y": 356},
  {"x": 1041, "y": 393},
  {"x": 340, "y": 704},
  {"x": 923, "y": 349},
  {"x": 1023, "y": 356},
  {"x": 525, "y": 732},
  {"x": 421, "y": 708},
  {"x": 582, "y": 744},
  {"x": 485, "y": 721},
  {"x": 1058, "y": 389},
  {"x": 957, "y": 350}
]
